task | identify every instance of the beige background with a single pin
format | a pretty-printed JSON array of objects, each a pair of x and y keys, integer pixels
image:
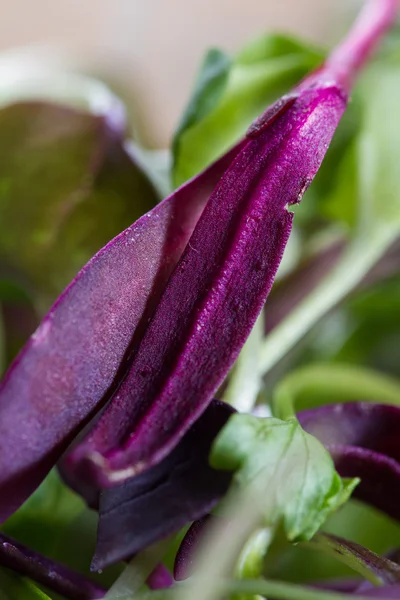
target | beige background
[{"x": 154, "y": 46}]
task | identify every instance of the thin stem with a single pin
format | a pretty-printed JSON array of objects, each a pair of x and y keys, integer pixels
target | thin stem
[
  {"x": 53, "y": 575},
  {"x": 315, "y": 385},
  {"x": 270, "y": 589},
  {"x": 354, "y": 264},
  {"x": 350, "y": 56},
  {"x": 245, "y": 381},
  {"x": 137, "y": 572}
]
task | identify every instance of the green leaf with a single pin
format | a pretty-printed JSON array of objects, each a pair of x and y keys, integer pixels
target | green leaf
[
  {"x": 67, "y": 186},
  {"x": 208, "y": 89},
  {"x": 367, "y": 192},
  {"x": 229, "y": 95},
  {"x": 291, "y": 472},
  {"x": 52, "y": 508},
  {"x": 15, "y": 587}
]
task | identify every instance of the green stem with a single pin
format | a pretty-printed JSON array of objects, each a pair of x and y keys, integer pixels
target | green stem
[
  {"x": 313, "y": 386},
  {"x": 136, "y": 573},
  {"x": 245, "y": 381},
  {"x": 270, "y": 589},
  {"x": 361, "y": 255}
]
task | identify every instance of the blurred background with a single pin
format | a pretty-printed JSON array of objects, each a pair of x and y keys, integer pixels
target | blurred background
[{"x": 152, "y": 48}]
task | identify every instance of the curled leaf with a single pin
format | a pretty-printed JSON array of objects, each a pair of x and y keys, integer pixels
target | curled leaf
[{"x": 363, "y": 441}]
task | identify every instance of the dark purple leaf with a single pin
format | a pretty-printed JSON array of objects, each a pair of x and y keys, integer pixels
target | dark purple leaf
[
  {"x": 53, "y": 575},
  {"x": 363, "y": 440},
  {"x": 160, "y": 501},
  {"x": 76, "y": 358}
]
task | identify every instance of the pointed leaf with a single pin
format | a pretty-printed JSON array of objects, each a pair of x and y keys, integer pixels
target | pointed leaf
[{"x": 181, "y": 488}]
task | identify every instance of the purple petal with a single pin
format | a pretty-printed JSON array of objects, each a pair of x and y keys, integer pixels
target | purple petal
[
  {"x": 216, "y": 291},
  {"x": 364, "y": 442},
  {"x": 76, "y": 358},
  {"x": 160, "y": 501},
  {"x": 53, "y": 575}
]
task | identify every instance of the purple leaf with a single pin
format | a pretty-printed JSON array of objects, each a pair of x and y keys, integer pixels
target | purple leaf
[
  {"x": 53, "y": 575},
  {"x": 160, "y": 501},
  {"x": 226, "y": 271},
  {"x": 74, "y": 361},
  {"x": 364, "y": 442},
  {"x": 217, "y": 290}
]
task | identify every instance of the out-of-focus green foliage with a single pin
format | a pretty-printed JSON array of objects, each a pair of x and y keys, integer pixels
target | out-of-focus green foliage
[
  {"x": 14, "y": 587},
  {"x": 67, "y": 186},
  {"x": 230, "y": 94}
]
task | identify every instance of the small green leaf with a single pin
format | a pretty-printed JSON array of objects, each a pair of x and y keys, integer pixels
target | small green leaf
[
  {"x": 229, "y": 95},
  {"x": 291, "y": 472},
  {"x": 208, "y": 89}
]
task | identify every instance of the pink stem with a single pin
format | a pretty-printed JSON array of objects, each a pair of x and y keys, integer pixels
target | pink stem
[{"x": 349, "y": 57}]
